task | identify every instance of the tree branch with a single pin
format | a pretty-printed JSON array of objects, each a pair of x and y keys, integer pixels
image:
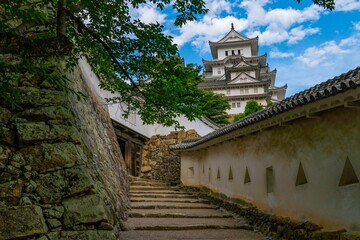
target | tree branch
[
  {"x": 81, "y": 25},
  {"x": 61, "y": 19}
]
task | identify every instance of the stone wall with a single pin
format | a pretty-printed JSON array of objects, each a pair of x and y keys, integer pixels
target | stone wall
[
  {"x": 62, "y": 175},
  {"x": 158, "y": 161}
]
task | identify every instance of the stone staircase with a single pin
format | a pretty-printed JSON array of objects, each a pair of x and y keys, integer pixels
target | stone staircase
[{"x": 161, "y": 212}]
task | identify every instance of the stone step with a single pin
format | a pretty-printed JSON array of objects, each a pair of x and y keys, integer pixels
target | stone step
[
  {"x": 156, "y": 195},
  {"x": 165, "y": 205},
  {"x": 184, "y": 224},
  {"x": 152, "y": 188},
  {"x": 156, "y": 192},
  {"x": 180, "y": 213},
  {"x": 155, "y": 184},
  {"x": 207, "y": 234},
  {"x": 179, "y": 200},
  {"x": 144, "y": 182}
]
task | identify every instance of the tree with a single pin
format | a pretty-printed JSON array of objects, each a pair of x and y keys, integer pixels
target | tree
[
  {"x": 123, "y": 51},
  {"x": 251, "y": 107},
  {"x": 217, "y": 105}
]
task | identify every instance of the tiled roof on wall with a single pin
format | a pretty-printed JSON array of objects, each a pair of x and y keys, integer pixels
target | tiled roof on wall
[{"x": 331, "y": 87}]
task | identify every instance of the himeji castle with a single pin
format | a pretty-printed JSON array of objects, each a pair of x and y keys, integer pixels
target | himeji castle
[{"x": 240, "y": 73}]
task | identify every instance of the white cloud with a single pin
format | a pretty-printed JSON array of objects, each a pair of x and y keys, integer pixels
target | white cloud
[
  {"x": 275, "y": 53},
  {"x": 298, "y": 33},
  {"x": 357, "y": 26},
  {"x": 209, "y": 28},
  {"x": 350, "y": 41},
  {"x": 280, "y": 21},
  {"x": 319, "y": 63},
  {"x": 315, "y": 56},
  {"x": 270, "y": 36},
  {"x": 281, "y": 24},
  {"x": 347, "y": 5},
  {"x": 218, "y": 6},
  {"x": 148, "y": 14}
]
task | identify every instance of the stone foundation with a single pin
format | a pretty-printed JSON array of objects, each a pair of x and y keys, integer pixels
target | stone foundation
[
  {"x": 273, "y": 226},
  {"x": 158, "y": 161},
  {"x": 62, "y": 175}
]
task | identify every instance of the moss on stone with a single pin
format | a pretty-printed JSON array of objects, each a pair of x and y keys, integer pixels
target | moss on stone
[
  {"x": 84, "y": 210},
  {"x": 25, "y": 222}
]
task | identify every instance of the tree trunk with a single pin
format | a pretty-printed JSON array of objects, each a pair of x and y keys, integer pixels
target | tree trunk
[{"x": 61, "y": 19}]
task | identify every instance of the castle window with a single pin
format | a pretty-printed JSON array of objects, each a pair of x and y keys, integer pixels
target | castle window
[
  {"x": 241, "y": 91},
  {"x": 256, "y": 90},
  {"x": 239, "y": 52},
  {"x": 233, "y": 105},
  {"x": 246, "y": 90},
  {"x": 238, "y": 104},
  {"x": 219, "y": 70},
  {"x": 232, "y": 52},
  {"x": 228, "y": 92},
  {"x": 226, "y": 53}
]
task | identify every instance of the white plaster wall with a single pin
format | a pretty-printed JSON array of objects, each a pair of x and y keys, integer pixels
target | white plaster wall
[
  {"x": 134, "y": 121},
  {"x": 322, "y": 146},
  {"x": 215, "y": 70},
  {"x": 245, "y": 50}
]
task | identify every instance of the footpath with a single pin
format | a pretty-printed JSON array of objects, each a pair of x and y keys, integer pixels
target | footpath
[{"x": 160, "y": 211}]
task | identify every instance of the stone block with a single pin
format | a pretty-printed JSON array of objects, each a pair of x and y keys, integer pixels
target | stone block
[
  {"x": 56, "y": 212},
  {"x": 4, "y": 154},
  {"x": 11, "y": 190},
  {"x": 156, "y": 142},
  {"x": 5, "y": 115},
  {"x": 79, "y": 180},
  {"x": 84, "y": 210},
  {"x": 21, "y": 222},
  {"x": 53, "y": 223},
  {"x": 30, "y": 132},
  {"x": 145, "y": 169},
  {"x": 82, "y": 235},
  {"x": 6, "y": 177},
  {"x": 33, "y": 132},
  {"x": 65, "y": 133},
  {"x": 191, "y": 134},
  {"x": 169, "y": 141},
  {"x": 7, "y": 136},
  {"x": 42, "y": 238},
  {"x": 34, "y": 97},
  {"x": 47, "y": 113},
  {"x": 46, "y": 156},
  {"x": 51, "y": 186},
  {"x": 350, "y": 236},
  {"x": 181, "y": 135}
]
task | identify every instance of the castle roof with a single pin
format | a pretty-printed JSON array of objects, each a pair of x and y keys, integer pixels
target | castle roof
[
  {"x": 260, "y": 59},
  {"x": 233, "y": 38},
  {"x": 224, "y": 84},
  {"x": 343, "y": 90}
]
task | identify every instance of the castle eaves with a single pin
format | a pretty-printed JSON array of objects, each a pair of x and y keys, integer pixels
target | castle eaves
[{"x": 329, "y": 89}]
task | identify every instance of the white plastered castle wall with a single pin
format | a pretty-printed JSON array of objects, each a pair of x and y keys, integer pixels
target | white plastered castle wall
[
  {"x": 322, "y": 146},
  {"x": 134, "y": 121}
]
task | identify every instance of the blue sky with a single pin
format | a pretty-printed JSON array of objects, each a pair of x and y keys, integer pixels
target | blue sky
[{"x": 305, "y": 43}]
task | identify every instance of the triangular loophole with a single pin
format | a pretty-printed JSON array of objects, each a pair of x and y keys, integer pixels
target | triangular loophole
[
  {"x": 218, "y": 173},
  {"x": 301, "y": 177},
  {"x": 247, "y": 176},
  {"x": 230, "y": 174},
  {"x": 348, "y": 175}
]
